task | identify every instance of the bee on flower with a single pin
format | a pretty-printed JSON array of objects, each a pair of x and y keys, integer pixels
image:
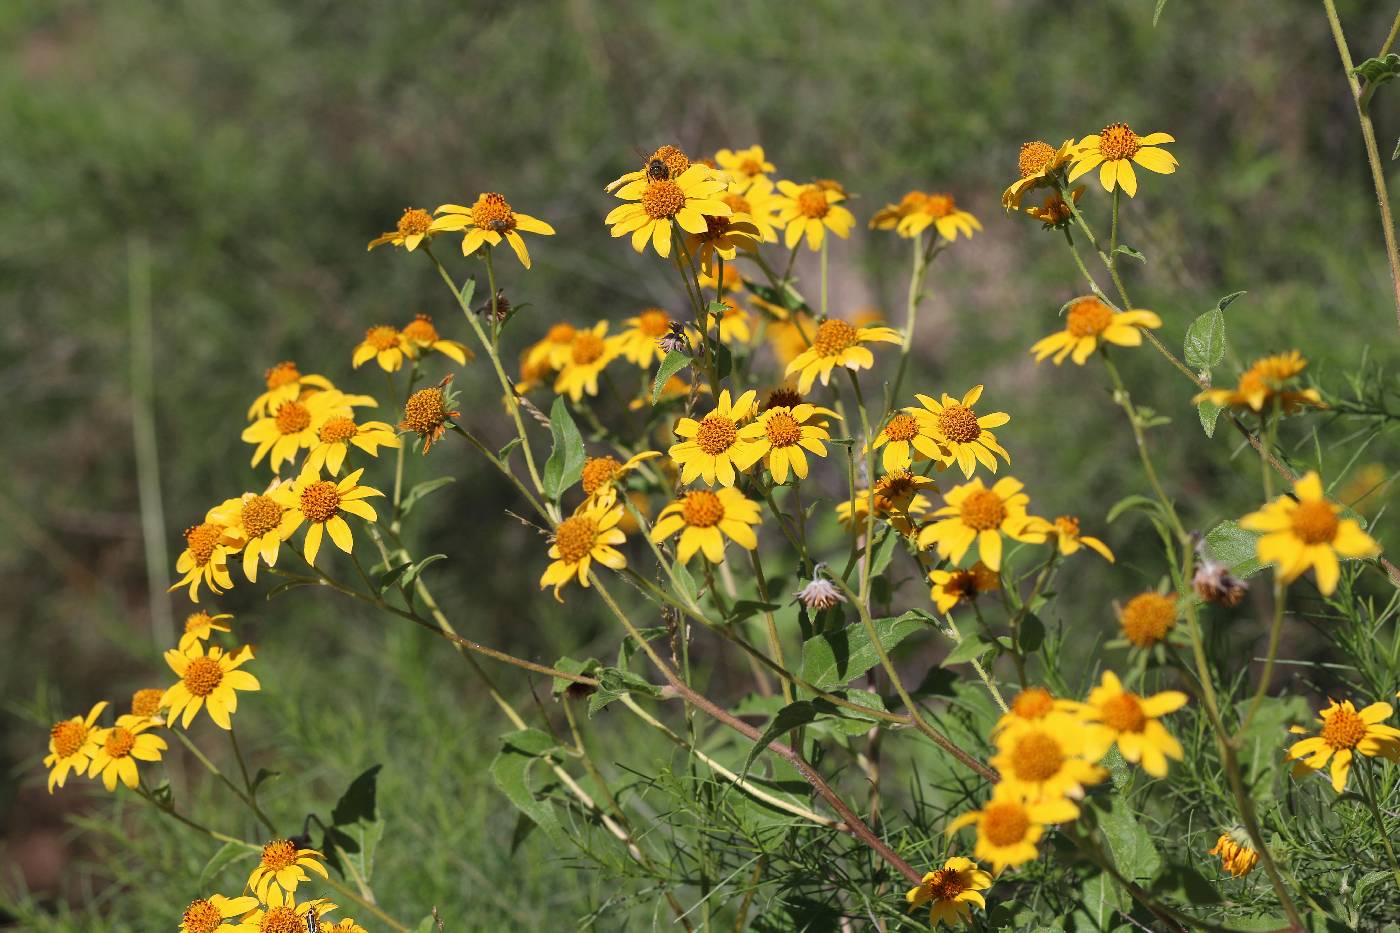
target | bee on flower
[
  {"x": 1089, "y": 324},
  {"x": 810, "y": 211},
  {"x": 589, "y": 535},
  {"x": 1115, "y": 149},
  {"x": 488, "y": 221},
  {"x": 659, "y": 206},
  {"x": 1307, "y": 530},
  {"x": 666, "y": 163},
  {"x": 837, "y": 343}
]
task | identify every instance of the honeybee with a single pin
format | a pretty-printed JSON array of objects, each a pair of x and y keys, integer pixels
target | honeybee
[
  {"x": 657, "y": 170},
  {"x": 499, "y": 225}
]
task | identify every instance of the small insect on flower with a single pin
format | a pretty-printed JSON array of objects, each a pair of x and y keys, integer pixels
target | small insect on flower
[
  {"x": 656, "y": 204},
  {"x": 1090, "y": 323},
  {"x": 1237, "y": 855},
  {"x": 665, "y": 163},
  {"x": 1308, "y": 530}
]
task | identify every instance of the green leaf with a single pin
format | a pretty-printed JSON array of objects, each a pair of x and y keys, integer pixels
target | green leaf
[
  {"x": 422, "y": 489},
  {"x": 685, "y": 584},
  {"x": 387, "y": 578},
  {"x": 1101, "y": 898},
  {"x": 572, "y": 666},
  {"x": 511, "y": 771},
  {"x": 674, "y": 362},
  {"x": 724, "y": 360},
  {"x": 1210, "y": 414},
  {"x": 1234, "y": 547},
  {"x": 884, "y": 553},
  {"x": 230, "y": 852},
  {"x": 792, "y": 716},
  {"x": 356, "y": 829},
  {"x": 629, "y": 646},
  {"x": 748, "y": 608},
  {"x": 264, "y": 776},
  {"x": 834, "y": 659},
  {"x": 1132, "y": 848},
  {"x": 1131, "y": 253},
  {"x": 1379, "y": 70},
  {"x": 358, "y": 802},
  {"x": 565, "y": 463},
  {"x": 1205, "y": 341},
  {"x": 468, "y": 290},
  {"x": 615, "y": 683},
  {"x": 1157, "y": 13},
  {"x": 412, "y": 573},
  {"x": 1032, "y": 633},
  {"x": 851, "y": 722},
  {"x": 504, "y": 453},
  {"x": 1127, "y": 503},
  {"x": 972, "y": 646},
  {"x": 290, "y": 585},
  {"x": 1228, "y": 300}
]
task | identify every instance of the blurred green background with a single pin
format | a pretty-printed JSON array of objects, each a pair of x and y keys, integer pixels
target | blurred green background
[{"x": 251, "y": 152}]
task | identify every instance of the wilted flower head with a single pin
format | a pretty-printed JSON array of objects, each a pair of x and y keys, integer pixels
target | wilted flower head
[
  {"x": 675, "y": 339},
  {"x": 820, "y": 593},
  {"x": 1214, "y": 582}
]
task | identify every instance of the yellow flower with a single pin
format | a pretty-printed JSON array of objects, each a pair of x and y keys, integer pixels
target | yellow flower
[
  {"x": 200, "y": 627},
  {"x": 899, "y": 500},
  {"x": 146, "y": 703},
  {"x": 1132, "y": 722},
  {"x": 384, "y": 344},
  {"x": 1065, "y": 529},
  {"x": 1009, "y": 827},
  {"x": 906, "y": 438},
  {"x": 951, "y": 891},
  {"x": 421, "y": 335},
  {"x": 281, "y": 866},
  {"x": 759, "y": 202},
  {"x": 334, "y": 437},
  {"x": 712, "y": 448},
  {"x": 602, "y": 476},
  {"x": 345, "y": 926},
  {"x": 295, "y": 424},
  {"x": 120, "y": 747},
  {"x": 963, "y": 437},
  {"x": 207, "y": 915},
  {"x": 285, "y": 383},
  {"x": 705, "y": 519},
  {"x": 208, "y": 546},
  {"x": 586, "y": 536},
  {"x": 429, "y": 411},
  {"x": 735, "y": 326},
  {"x": 532, "y": 375},
  {"x": 72, "y": 743},
  {"x": 638, "y": 342},
  {"x": 1114, "y": 149},
  {"x": 837, "y": 343},
  {"x": 744, "y": 165},
  {"x": 589, "y": 354},
  {"x": 1037, "y": 162},
  {"x": 1089, "y": 322},
  {"x": 208, "y": 678},
  {"x": 666, "y": 163},
  {"x": 811, "y": 210},
  {"x": 1237, "y": 856},
  {"x": 723, "y": 237},
  {"x": 1345, "y": 733},
  {"x": 1308, "y": 532},
  {"x": 656, "y": 204},
  {"x": 941, "y": 212},
  {"x": 889, "y": 216},
  {"x": 954, "y": 587},
  {"x": 791, "y": 335},
  {"x": 284, "y": 913},
  {"x": 1053, "y": 758},
  {"x": 260, "y": 522},
  {"x": 1032, "y": 708},
  {"x": 781, "y": 435},
  {"x": 1266, "y": 380},
  {"x": 1054, "y": 212},
  {"x": 415, "y": 226},
  {"x": 488, "y": 221},
  {"x": 1147, "y": 618},
  {"x": 324, "y": 504},
  {"x": 974, "y": 513},
  {"x": 553, "y": 349}
]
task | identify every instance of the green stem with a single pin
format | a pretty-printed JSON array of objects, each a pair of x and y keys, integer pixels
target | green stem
[
  {"x": 1368, "y": 791},
  {"x": 213, "y": 769}
]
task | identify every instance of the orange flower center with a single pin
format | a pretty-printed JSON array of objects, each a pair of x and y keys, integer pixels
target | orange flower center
[
  {"x": 716, "y": 435},
  {"x": 702, "y": 508},
  {"x": 1088, "y": 317},
  {"x": 1033, "y": 703},
  {"x": 833, "y": 336},
  {"x": 1034, "y": 157},
  {"x": 597, "y": 471},
  {"x": 1067, "y": 526},
  {"x": 894, "y": 490},
  {"x": 1117, "y": 141},
  {"x": 663, "y": 199},
  {"x": 284, "y": 373},
  {"x": 201, "y": 917},
  {"x": 292, "y": 417},
  {"x": 320, "y": 501},
  {"x": 938, "y": 205},
  {"x": 812, "y": 203},
  {"x": 338, "y": 430},
  {"x": 945, "y": 885},
  {"x": 415, "y": 222},
  {"x": 68, "y": 736},
  {"x": 1005, "y": 823},
  {"x": 202, "y": 676},
  {"x": 983, "y": 510},
  {"x": 279, "y": 854},
  {"x": 1342, "y": 728},
  {"x": 902, "y": 428},
  {"x": 146, "y": 702},
  {"x": 281, "y": 920},
  {"x": 201, "y": 539},
  {"x": 421, "y": 329},
  {"x": 197, "y": 621},
  {"x": 751, "y": 166},
  {"x": 1037, "y": 757},
  {"x": 588, "y": 348},
  {"x": 1123, "y": 713},
  {"x": 261, "y": 514},
  {"x": 492, "y": 212},
  {"x": 1147, "y": 618},
  {"x": 738, "y": 203},
  {"x": 382, "y": 337},
  {"x": 424, "y": 411},
  {"x": 782, "y": 429},
  {"x": 960, "y": 585},
  {"x": 1315, "y": 522},
  {"x": 959, "y": 424},
  {"x": 561, "y": 333},
  {"x": 119, "y": 742},
  {"x": 654, "y": 322},
  {"x": 575, "y": 538}
]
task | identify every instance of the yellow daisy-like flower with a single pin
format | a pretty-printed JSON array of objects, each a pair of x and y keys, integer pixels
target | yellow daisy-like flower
[
  {"x": 208, "y": 546},
  {"x": 1237, "y": 855},
  {"x": 781, "y": 435},
  {"x": 964, "y": 438},
  {"x": 744, "y": 165},
  {"x": 1132, "y": 722},
  {"x": 586, "y": 536},
  {"x": 1065, "y": 530},
  {"x": 415, "y": 226},
  {"x": 1055, "y": 212},
  {"x": 334, "y": 437},
  {"x": 951, "y": 891},
  {"x": 72, "y": 743},
  {"x": 553, "y": 349},
  {"x": 200, "y": 627},
  {"x": 1345, "y": 733},
  {"x": 952, "y": 588},
  {"x": 283, "y": 913},
  {"x": 429, "y": 411},
  {"x": 665, "y": 163},
  {"x": 975, "y": 513},
  {"x": 712, "y": 448},
  {"x": 1147, "y": 618},
  {"x": 422, "y": 334},
  {"x": 1054, "y": 758},
  {"x": 208, "y": 915},
  {"x": 1265, "y": 381},
  {"x": 260, "y": 522},
  {"x": 487, "y": 222},
  {"x": 208, "y": 679},
  {"x": 285, "y": 383},
  {"x": 345, "y": 926},
  {"x": 589, "y": 354},
  {"x": 1307, "y": 530},
  {"x": 638, "y": 342},
  {"x": 323, "y": 504},
  {"x": 532, "y": 375},
  {"x": 145, "y": 703},
  {"x": 1090, "y": 322},
  {"x": 941, "y": 212},
  {"x": 1008, "y": 827},
  {"x": 906, "y": 438},
  {"x": 384, "y": 344},
  {"x": 837, "y": 343},
  {"x": 296, "y": 424},
  {"x": 889, "y": 216},
  {"x": 1114, "y": 149},
  {"x": 705, "y": 519},
  {"x": 120, "y": 747},
  {"x": 723, "y": 237},
  {"x": 810, "y": 211},
  {"x": 899, "y": 500},
  {"x": 283, "y": 866},
  {"x": 735, "y": 325},
  {"x": 602, "y": 476},
  {"x": 759, "y": 202},
  {"x": 1032, "y": 708},
  {"x": 657, "y": 204},
  {"x": 1037, "y": 162}
]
